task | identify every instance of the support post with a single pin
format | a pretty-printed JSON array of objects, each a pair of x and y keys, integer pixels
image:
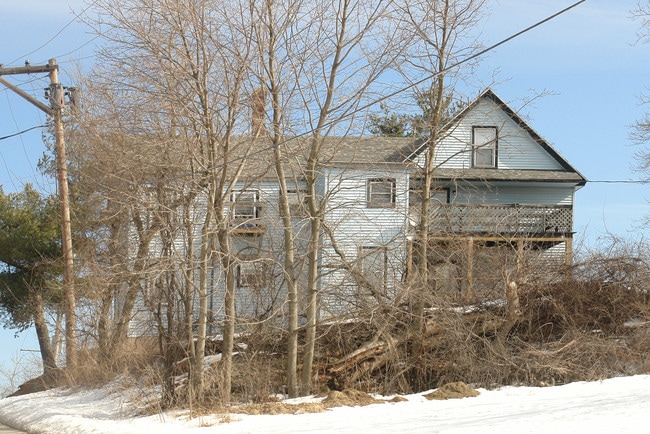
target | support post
[
  {"x": 57, "y": 101},
  {"x": 470, "y": 268},
  {"x": 69, "y": 298}
]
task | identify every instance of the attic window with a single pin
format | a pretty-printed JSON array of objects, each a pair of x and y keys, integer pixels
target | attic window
[
  {"x": 484, "y": 147},
  {"x": 381, "y": 193}
]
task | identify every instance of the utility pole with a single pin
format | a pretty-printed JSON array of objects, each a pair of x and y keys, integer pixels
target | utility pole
[{"x": 55, "y": 93}]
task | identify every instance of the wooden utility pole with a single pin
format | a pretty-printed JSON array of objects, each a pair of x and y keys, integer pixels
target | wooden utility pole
[{"x": 56, "y": 96}]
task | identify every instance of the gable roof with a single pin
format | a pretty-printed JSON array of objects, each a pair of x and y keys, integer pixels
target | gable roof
[
  {"x": 416, "y": 148},
  {"x": 378, "y": 151}
]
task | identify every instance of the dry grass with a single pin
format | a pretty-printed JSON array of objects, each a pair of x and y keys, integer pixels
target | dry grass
[{"x": 593, "y": 325}]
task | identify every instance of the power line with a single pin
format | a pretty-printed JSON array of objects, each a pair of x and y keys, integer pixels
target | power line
[
  {"x": 392, "y": 94},
  {"x": 22, "y": 132},
  {"x": 56, "y": 35}
]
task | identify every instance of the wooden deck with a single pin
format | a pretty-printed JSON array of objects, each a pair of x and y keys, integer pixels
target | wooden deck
[{"x": 515, "y": 219}]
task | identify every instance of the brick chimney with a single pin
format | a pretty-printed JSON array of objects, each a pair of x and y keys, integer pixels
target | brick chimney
[{"x": 258, "y": 101}]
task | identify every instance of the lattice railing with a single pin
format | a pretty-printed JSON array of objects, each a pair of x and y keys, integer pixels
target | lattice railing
[{"x": 511, "y": 219}]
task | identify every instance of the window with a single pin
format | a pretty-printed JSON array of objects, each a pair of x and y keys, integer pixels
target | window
[
  {"x": 374, "y": 265},
  {"x": 484, "y": 146},
  {"x": 381, "y": 193},
  {"x": 297, "y": 202},
  {"x": 251, "y": 275},
  {"x": 251, "y": 271},
  {"x": 439, "y": 195},
  {"x": 245, "y": 205}
]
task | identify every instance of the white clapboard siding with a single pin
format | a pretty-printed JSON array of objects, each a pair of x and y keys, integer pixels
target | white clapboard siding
[
  {"x": 499, "y": 194},
  {"x": 516, "y": 149}
]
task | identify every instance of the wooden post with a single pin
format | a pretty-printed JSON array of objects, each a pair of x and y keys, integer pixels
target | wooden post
[
  {"x": 57, "y": 101},
  {"x": 470, "y": 268},
  {"x": 568, "y": 246},
  {"x": 69, "y": 298}
]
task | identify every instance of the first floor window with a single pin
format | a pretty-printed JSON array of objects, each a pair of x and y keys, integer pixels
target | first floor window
[
  {"x": 374, "y": 265},
  {"x": 251, "y": 274}
]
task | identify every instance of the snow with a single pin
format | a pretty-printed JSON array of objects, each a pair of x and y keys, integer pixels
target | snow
[{"x": 608, "y": 406}]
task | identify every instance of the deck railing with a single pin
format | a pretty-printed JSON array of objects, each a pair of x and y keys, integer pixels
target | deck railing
[{"x": 502, "y": 219}]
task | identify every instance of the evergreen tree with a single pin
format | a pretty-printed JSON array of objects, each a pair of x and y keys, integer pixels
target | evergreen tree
[{"x": 30, "y": 263}]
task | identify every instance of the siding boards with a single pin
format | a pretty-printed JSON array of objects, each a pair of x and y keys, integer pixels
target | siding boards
[
  {"x": 516, "y": 148},
  {"x": 512, "y": 194}
]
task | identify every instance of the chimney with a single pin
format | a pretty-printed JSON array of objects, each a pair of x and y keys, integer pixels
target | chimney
[{"x": 258, "y": 101}]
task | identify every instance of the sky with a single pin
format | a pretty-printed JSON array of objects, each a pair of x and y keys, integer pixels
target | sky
[
  {"x": 586, "y": 62},
  {"x": 617, "y": 405}
]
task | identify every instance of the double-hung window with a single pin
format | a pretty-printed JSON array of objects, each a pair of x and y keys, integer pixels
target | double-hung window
[
  {"x": 297, "y": 198},
  {"x": 245, "y": 205},
  {"x": 484, "y": 147},
  {"x": 381, "y": 193}
]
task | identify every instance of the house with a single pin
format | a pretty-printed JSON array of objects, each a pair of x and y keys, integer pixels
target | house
[{"x": 498, "y": 187}]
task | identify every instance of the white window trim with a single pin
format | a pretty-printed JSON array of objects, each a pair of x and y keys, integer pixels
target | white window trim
[
  {"x": 238, "y": 199},
  {"x": 492, "y": 145},
  {"x": 373, "y": 202}
]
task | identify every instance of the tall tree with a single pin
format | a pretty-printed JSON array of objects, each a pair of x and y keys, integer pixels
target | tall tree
[
  {"x": 640, "y": 132},
  {"x": 176, "y": 70},
  {"x": 443, "y": 32},
  {"x": 318, "y": 62},
  {"x": 30, "y": 253}
]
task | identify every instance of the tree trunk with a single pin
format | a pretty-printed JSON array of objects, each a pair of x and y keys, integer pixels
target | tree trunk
[
  {"x": 42, "y": 333},
  {"x": 229, "y": 315},
  {"x": 312, "y": 306}
]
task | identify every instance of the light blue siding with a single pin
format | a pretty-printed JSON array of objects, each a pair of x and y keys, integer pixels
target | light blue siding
[{"x": 516, "y": 148}]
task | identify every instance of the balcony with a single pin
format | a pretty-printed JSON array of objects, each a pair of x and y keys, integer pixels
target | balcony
[{"x": 514, "y": 219}]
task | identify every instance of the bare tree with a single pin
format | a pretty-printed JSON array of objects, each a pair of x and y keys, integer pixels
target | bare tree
[
  {"x": 176, "y": 71},
  {"x": 318, "y": 62},
  {"x": 640, "y": 131},
  {"x": 443, "y": 33}
]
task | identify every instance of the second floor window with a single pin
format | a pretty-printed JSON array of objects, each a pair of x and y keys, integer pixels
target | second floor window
[
  {"x": 381, "y": 193},
  {"x": 245, "y": 205},
  {"x": 484, "y": 147}
]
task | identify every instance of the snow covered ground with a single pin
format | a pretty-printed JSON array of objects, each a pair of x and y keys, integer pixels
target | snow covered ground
[{"x": 619, "y": 405}]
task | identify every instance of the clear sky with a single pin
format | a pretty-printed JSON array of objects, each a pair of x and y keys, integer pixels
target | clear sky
[{"x": 585, "y": 60}]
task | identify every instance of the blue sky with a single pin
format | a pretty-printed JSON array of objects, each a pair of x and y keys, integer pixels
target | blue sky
[{"x": 586, "y": 60}]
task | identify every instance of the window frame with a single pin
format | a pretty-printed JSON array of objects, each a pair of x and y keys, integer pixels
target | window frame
[
  {"x": 297, "y": 198},
  {"x": 492, "y": 145},
  {"x": 237, "y": 202},
  {"x": 251, "y": 274},
  {"x": 371, "y": 200}
]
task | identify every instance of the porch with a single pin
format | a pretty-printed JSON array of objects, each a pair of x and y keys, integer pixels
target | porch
[{"x": 505, "y": 220}]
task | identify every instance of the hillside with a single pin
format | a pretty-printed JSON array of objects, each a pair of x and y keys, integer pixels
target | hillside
[{"x": 613, "y": 405}]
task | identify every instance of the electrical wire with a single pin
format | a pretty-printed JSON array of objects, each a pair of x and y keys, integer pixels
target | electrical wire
[
  {"x": 22, "y": 132},
  {"x": 389, "y": 95},
  {"x": 620, "y": 181},
  {"x": 56, "y": 35}
]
